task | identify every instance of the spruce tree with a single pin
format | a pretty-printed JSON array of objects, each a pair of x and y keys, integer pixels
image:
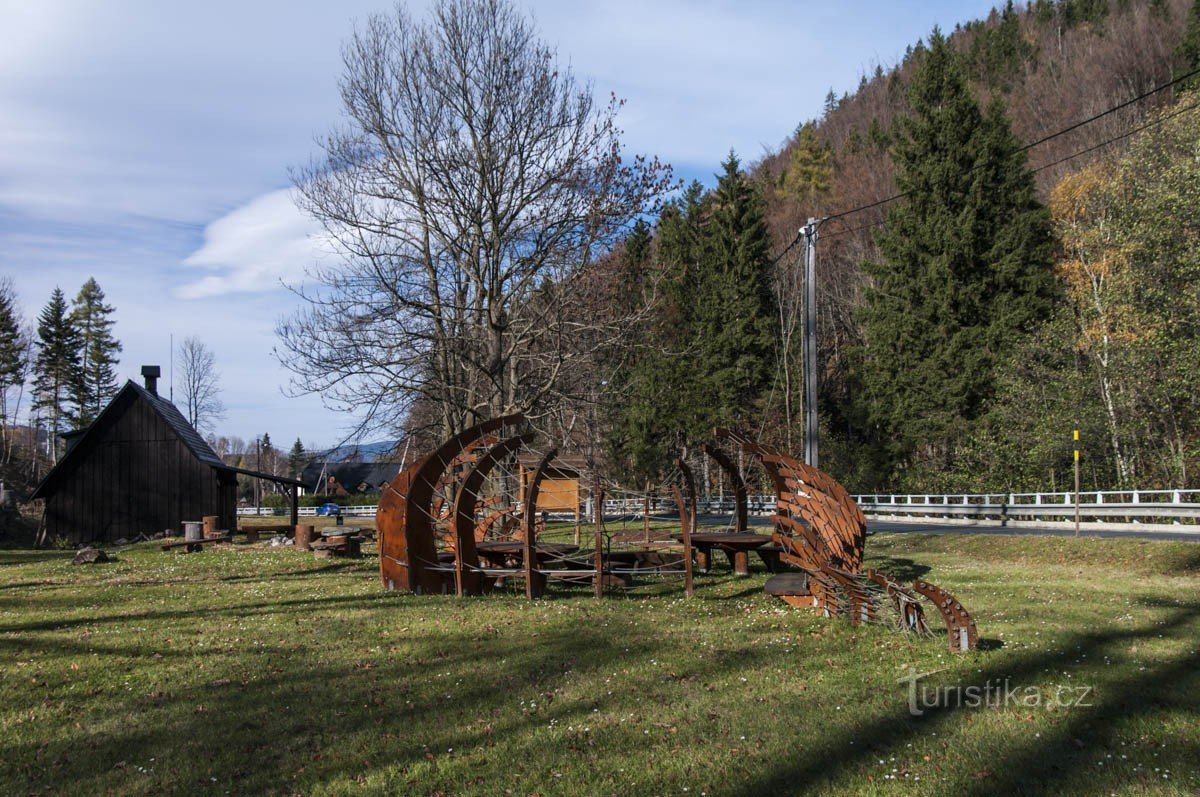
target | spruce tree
[
  {"x": 14, "y": 359},
  {"x": 966, "y": 266},
  {"x": 56, "y": 368},
  {"x": 655, "y": 385},
  {"x": 98, "y": 352},
  {"x": 12, "y": 339},
  {"x": 297, "y": 458},
  {"x": 735, "y": 316}
]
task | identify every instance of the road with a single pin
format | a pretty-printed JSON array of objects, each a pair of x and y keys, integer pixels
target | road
[{"x": 933, "y": 527}]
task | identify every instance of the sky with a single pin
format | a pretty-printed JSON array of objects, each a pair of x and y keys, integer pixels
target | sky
[{"x": 149, "y": 144}]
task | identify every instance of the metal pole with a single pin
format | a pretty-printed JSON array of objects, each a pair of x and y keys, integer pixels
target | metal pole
[
  {"x": 810, "y": 344},
  {"x": 1076, "y": 482}
]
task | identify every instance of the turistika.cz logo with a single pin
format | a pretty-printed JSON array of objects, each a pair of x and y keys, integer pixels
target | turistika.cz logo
[{"x": 990, "y": 694}]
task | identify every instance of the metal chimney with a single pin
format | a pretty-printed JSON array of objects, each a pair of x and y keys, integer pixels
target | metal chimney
[{"x": 151, "y": 373}]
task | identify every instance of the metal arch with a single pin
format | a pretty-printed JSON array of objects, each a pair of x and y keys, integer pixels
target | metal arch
[
  {"x": 529, "y": 507},
  {"x": 961, "y": 633},
  {"x": 404, "y": 519},
  {"x": 462, "y": 522},
  {"x": 741, "y": 516}
]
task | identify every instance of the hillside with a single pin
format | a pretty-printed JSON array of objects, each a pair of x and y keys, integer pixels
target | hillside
[{"x": 1049, "y": 65}]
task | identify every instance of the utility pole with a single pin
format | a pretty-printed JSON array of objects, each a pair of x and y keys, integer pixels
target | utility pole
[
  {"x": 809, "y": 231},
  {"x": 1076, "y": 482}
]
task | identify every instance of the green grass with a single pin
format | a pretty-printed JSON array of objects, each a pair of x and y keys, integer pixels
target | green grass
[{"x": 250, "y": 670}]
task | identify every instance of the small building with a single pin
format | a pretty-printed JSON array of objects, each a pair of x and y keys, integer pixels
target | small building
[{"x": 139, "y": 468}]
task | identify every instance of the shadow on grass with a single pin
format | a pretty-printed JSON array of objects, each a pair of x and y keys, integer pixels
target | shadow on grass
[
  {"x": 903, "y": 570},
  {"x": 438, "y": 690},
  {"x": 1026, "y": 765},
  {"x": 295, "y": 606}
]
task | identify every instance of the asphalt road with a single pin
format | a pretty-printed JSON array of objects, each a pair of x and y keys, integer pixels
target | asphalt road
[{"x": 933, "y": 527}]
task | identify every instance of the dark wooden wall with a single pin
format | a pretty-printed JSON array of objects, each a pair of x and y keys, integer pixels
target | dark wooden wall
[{"x": 137, "y": 477}]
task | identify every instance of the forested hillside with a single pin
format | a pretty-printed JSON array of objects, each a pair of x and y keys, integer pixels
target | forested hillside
[{"x": 979, "y": 297}]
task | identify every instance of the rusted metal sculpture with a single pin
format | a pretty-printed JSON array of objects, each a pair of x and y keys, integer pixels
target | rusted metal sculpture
[
  {"x": 406, "y": 517},
  {"x": 741, "y": 510},
  {"x": 463, "y": 522},
  {"x": 823, "y": 531},
  {"x": 533, "y": 587},
  {"x": 818, "y": 529}
]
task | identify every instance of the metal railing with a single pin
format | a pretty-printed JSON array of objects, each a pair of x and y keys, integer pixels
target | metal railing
[
  {"x": 1176, "y": 507},
  {"x": 282, "y": 511}
]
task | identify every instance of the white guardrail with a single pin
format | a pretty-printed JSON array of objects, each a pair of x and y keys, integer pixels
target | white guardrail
[
  {"x": 1175, "y": 507},
  {"x": 280, "y": 511}
]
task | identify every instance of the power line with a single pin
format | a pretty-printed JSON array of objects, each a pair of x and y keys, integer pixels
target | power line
[
  {"x": 1113, "y": 109},
  {"x": 1132, "y": 131},
  {"x": 1126, "y": 134},
  {"x": 1044, "y": 139}
]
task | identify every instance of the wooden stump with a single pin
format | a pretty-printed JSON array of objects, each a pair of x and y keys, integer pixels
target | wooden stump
[{"x": 304, "y": 537}]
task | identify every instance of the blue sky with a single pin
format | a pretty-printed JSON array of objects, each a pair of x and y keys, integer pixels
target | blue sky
[{"x": 148, "y": 144}]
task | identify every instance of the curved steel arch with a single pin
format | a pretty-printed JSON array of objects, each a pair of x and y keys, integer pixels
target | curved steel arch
[
  {"x": 741, "y": 512},
  {"x": 462, "y": 522},
  {"x": 404, "y": 520}
]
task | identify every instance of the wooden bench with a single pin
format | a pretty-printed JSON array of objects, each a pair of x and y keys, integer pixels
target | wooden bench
[
  {"x": 192, "y": 546},
  {"x": 790, "y": 587}
]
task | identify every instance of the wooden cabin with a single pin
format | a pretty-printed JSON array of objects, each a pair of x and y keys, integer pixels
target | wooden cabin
[{"x": 139, "y": 468}]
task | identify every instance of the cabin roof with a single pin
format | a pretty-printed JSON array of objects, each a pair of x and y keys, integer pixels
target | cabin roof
[{"x": 112, "y": 412}]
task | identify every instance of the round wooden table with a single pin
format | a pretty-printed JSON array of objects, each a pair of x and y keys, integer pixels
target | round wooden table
[{"x": 737, "y": 546}]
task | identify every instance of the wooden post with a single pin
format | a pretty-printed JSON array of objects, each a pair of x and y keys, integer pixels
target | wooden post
[
  {"x": 577, "y": 530},
  {"x": 458, "y": 568},
  {"x": 303, "y": 537},
  {"x": 598, "y": 507},
  {"x": 646, "y": 515},
  {"x": 687, "y": 512},
  {"x": 295, "y": 505}
]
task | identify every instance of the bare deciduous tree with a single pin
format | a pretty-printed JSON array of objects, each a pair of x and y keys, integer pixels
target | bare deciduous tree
[
  {"x": 201, "y": 384},
  {"x": 473, "y": 187}
]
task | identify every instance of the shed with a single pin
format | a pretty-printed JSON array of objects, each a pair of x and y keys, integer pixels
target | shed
[{"x": 140, "y": 467}]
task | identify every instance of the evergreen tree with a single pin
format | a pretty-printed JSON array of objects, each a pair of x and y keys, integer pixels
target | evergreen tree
[
  {"x": 297, "y": 459},
  {"x": 14, "y": 361},
  {"x": 1187, "y": 52},
  {"x": 735, "y": 317},
  {"x": 56, "y": 368},
  {"x": 809, "y": 170},
  {"x": 12, "y": 340},
  {"x": 654, "y": 383},
  {"x": 98, "y": 352},
  {"x": 966, "y": 267}
]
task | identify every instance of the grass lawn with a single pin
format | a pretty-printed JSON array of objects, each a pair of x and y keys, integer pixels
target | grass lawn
[{"x": 250, "y": 670}]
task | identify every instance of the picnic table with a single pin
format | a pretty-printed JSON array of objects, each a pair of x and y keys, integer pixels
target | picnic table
[
  {"x": 737, "y": 546},
  {"x": 511, "y": 554}
]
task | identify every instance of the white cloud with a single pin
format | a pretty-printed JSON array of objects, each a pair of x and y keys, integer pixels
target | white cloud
[{"x": 255, "y": 248}]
